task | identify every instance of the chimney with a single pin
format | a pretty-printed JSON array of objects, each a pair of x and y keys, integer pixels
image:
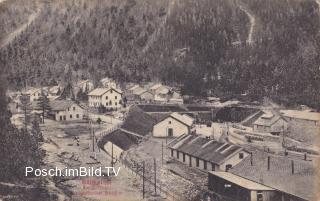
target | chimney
[
  {"x": 251, "y": 159},
  {"x": 292, "y": 167},
  {"x": 268, "y": 162}
]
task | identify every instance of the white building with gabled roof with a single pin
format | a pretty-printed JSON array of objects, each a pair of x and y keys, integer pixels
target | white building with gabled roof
[
  {"x": 107, "y": 97},
  {"x": 173, "y": 125}
]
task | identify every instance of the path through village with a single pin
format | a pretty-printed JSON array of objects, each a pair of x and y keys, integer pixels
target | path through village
[{"x": 62, "y": 151}]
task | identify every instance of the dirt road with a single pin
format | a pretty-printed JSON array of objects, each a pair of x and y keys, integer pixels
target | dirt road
[
  {"x": 62, "y": 151},
  {"x": 252, "y": 24}
]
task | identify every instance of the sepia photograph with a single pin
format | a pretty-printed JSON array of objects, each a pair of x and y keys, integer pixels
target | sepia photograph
[{"x": 159, "y": 100}]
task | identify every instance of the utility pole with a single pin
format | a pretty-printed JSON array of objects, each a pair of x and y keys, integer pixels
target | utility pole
[
  {"x": 162, "y": 152},
  {"x": 155, "y": 176},
  {"x": 143, "y": 168},
  {"x": 111, "y": 154}
]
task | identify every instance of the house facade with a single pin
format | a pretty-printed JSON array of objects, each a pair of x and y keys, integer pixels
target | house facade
[
  {"x": 66, "y": 110},
  {"x": 107, "y": 97},
  {"x": 174, "y": 125},
  {"x": 146, "y": 96},
  {"x": 238, "y": 188}
]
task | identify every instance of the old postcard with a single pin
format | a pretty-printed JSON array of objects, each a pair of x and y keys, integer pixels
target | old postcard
[{"x": 176, "y": 100}]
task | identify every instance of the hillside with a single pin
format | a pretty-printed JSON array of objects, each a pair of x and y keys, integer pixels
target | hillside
[{"x": 216, "y": 47}]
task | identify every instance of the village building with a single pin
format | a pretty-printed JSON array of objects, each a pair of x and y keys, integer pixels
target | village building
[
  {"x": 173, "y": 125},
  {"x": 297, "y": 117},
  {"x": 116, "y": 142},
  {"x": 159, "y": 89},
  {"x": 145, "y": 95},
  {"x": 175, "y": 98},
  {"x": 54, "y": 91},
  {"x": 266, "y": 177},
  {"x": 205, "y": 153},
  {"x": 134, "y": 89},
  {"x": 33, "y": 94},
  {"x": 106, "y": 97},
  {"x": 85, "y": 85},
  {"x": 136, "y": 126},
  {"x": 270, "y": 123},
  {"x": 66, "y": 110},
  {"x": 108, "y": 83}
]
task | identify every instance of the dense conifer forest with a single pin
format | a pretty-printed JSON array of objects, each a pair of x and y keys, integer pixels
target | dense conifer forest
[{"x": 206, "y": 47}]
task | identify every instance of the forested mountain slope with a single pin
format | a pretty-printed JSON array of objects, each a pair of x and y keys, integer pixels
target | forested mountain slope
[{"x": 200, "y": 45}]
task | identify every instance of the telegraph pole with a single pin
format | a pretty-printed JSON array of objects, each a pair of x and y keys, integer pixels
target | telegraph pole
[
  {"x": 155, "y": 176},
  {"x": 111, "y": 154},
  {"x": 162, "y": 151},
  {"x": 143, "y": 168}
]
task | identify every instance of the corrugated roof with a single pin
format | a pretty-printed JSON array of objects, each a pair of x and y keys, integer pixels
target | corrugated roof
[
  {"x": 307, "y": 115},
  {"x": 300, "y": 184},
  {"x": 215, "y": 152},
  {"x": 232, "y": 178}
]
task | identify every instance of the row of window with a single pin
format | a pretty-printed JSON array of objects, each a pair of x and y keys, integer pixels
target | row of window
[
  {"x": 229, "y": 166},
  {"x": 190, "y": 162},
  {"x": 71, "y": 116}
]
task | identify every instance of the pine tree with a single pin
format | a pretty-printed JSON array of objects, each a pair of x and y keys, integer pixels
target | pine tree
[{"x": 43, "y": 103}]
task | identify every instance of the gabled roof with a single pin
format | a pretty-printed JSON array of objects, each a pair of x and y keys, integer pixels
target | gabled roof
[
  {"x": 83, "y": 82},
  {"x": 138, "y": 90},
  {"x": 312, "y": 116},
  {"x": 185, "y": 119},
  {"x": 61, "y": 105},
  {"x": 101, "y": 91},
  {"x": 139, "y": 122},
  {"x": 155, "y": 86},
  {"x": 300, "y": 184},
  {"x": 120, "y": 138},
  {"x": 248, "y": 184},
  {"x": 267, "y": 119},
  {"x": 203, "y": 148}
]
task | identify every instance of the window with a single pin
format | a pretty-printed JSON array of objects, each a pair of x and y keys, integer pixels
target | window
[
  {"x": 197, "y": 162},
  {"x": 70, "y": 116},
  {"x": 259, "y": 196},
  {"x": 213, "y": 167},
  {"x": 169, "y": 122},
  {"x": 68, "y": 109},
  {"x": 110, "y": 102},
  {"x": 205, "y": 165},
  {"x": 106, "y": 97},
  {"x": 77, "y": 116},
  {"x": 60, "y": 118},
  {"x": 106, "y": 104},
  {"x": 74, "y": 108},
  {"x": 240, "y": 155},
  {"x": 184, "y": 157},
  {"x": 111, "y": 91},
  {"x": 116, "y": 103},
  {"x": 177, "y": 154},
  {"x": 115, "y": 97},
  {"x": 64, "y": 117},
  {"x": 170, "y": 132},
  {"x": 228, "y": 167},
  {"x": 171, "y": 152}
]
